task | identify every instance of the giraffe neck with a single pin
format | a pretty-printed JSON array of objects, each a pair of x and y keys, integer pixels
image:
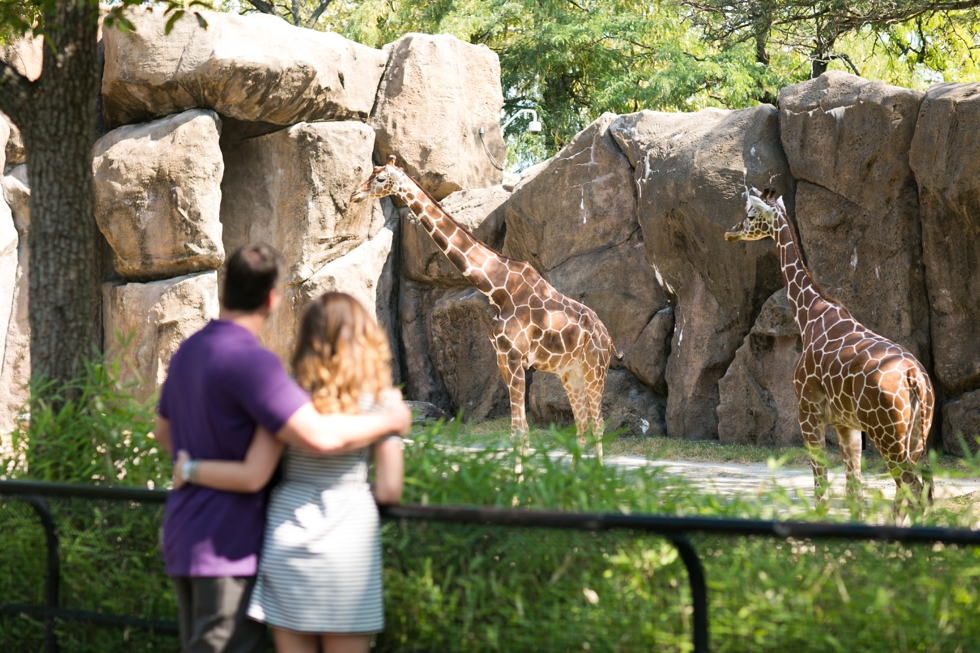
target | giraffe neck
[
  {"x": 463, "y": 250},
  {"x": 801, "y": 292}
]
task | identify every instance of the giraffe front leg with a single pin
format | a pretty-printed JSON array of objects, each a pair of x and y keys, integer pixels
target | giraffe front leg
[
  {"x": 850, "y": 447},
  {"x": 815, "y": 439},
  {"x": 512, "y": 368}
]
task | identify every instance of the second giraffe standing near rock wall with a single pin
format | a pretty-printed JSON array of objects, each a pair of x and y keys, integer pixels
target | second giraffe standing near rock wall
[
  {"x": 848, "y": 376},
  {"x": 534, "y": 326}
]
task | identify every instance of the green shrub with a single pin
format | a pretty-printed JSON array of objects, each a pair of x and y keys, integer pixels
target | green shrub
[
  {"x": 101, "y": 435},
  {"x": 109, "y": 556}
]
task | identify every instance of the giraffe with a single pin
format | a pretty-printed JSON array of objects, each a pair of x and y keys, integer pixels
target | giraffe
[
  {"x": 534, "y": 324},
  {"x": 848, "y": 376}
]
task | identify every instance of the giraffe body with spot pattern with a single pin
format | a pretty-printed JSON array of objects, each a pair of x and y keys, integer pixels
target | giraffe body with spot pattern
[
  {"x": 848, "y": 376},
  {"x": 534, "y": 325}
]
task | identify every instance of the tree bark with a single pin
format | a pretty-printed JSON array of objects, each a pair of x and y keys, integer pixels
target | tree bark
[
  {"x": 818, "y": 66},
  {"x": 58, "y": 131}
]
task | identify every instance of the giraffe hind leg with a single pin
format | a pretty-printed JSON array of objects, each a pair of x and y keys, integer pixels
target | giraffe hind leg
[
  {"x": 892, "y": 441},
  {"x": 595, "y": 383},
  {"x": 574, "y": 386}
]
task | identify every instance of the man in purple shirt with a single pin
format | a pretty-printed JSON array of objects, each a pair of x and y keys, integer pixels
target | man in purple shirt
[{"x": 220, "y": 386}]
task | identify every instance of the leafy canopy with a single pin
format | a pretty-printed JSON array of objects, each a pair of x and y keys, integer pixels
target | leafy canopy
[
  {"x": 572, "y": 60},
  {"x": 39, "y": 18}
]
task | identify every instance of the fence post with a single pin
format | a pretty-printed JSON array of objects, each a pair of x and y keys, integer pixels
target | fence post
[
  {"x": 699, "y": 590},
  {"x": 52, "y": 577}
]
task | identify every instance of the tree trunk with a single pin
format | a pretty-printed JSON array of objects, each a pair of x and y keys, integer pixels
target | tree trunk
[
  {"x": 818, "y": 66},
  {"x": 65, "y": 306}
]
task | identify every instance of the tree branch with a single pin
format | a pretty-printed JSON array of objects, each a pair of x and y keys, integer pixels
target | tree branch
[
  {"x": 16, "y": 94},
  {"x": 843, "y": 57},
  {"x": 263, "y": 6},
  {"x": 315, "y": 16}
]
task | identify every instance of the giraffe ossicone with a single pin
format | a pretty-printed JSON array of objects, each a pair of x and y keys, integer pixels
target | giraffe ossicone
[
  {"x": 534, "y": 325},
  {"x": 848, "y": 376}
]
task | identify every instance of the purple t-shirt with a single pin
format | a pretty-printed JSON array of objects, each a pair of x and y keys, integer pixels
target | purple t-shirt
[{"x": 220, "y": 385}]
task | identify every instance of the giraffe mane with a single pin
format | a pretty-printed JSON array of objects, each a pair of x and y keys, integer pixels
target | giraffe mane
[
  {"x": 775, "y": 203},
  {"x": 448, "y": 215}
]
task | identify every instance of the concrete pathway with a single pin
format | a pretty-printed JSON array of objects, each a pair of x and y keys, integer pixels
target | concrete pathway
[
  {"x": 730, "y": 479},
  {"x": 741, "y": 479}
]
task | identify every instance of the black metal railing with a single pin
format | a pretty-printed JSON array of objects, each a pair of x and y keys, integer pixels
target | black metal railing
[{"x": 674, "y": 529}]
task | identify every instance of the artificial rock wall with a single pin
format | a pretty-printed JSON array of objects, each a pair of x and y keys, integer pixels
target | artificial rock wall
[{"x": 256, "y": 130}]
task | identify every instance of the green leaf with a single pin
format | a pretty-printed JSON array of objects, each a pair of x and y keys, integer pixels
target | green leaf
[{"x": 177, "y": 15}]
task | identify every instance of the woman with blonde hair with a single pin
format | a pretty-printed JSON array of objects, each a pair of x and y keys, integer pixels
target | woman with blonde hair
[{"x": 319, "y": 578}]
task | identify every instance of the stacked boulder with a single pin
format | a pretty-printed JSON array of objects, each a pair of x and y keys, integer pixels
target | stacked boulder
[
  {"x": 255, "y": 130},
  {"x": 15, "y": 328},
  {"x": 157, "y": 194}
]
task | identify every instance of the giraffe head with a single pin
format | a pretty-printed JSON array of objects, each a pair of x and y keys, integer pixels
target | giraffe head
[
  {"x": 385, "y": 180},
  {"x": 761, "y": 217}
]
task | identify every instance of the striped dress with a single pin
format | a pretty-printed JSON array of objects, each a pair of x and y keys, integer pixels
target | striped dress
[{"x": 320, "y": 569}]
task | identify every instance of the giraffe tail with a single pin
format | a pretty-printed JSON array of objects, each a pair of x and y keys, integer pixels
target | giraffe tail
[
  {"x": 615, "y": 352},
  {"x": 916, "y": 429}
]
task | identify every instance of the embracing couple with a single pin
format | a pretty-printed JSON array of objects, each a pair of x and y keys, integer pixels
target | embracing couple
[{"x": 228, "y": 411}]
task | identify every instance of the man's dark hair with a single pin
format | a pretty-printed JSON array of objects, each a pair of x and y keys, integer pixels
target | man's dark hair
[{"x": 250, "y": 275}]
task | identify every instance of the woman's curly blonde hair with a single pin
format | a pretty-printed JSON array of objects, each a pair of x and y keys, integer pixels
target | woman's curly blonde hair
[{"x": 341, "y": 352}]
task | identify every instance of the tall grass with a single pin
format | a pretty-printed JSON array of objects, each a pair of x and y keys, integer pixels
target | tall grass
[
  {"x": 102, "y": 434},
  {"x": 475, "y": 588},
  {"x": 468, "y": 588}
]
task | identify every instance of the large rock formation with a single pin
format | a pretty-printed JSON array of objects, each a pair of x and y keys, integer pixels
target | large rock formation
[
  {"x": 757, "y": 402},
  {"x": 158, "y": 194},
  {"x": 25, "y": 55},
  {"x": 144, "y": 323},
  {"x": 366, "y": 272},
  {"x": 14, "y": 150},
  {"x": 961, "y": 424},
  {"x": 690, "y": 171},
  {"x": 463, "y": 356},
  {"x": 628, "y": 219},
  {"x": 437, "y": 95},
  {"x": 943, "y": 156},
  {"x": 256, "y": 68},
  {"x": 422, "y": 381},
  {"x": 579, "y": 202},
  {"x": 847, "y": 141},
  {"x": 15, "y": 364},
  {"x": 576, "y": 220},
  {"x": 291, "y": 189},
  {"x": 8, "y": 270}
]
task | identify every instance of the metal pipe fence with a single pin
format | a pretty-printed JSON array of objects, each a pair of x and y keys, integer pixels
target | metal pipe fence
[{"x": 674, "y": 529}]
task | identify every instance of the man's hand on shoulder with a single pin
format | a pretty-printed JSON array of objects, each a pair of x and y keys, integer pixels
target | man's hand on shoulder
[{"x": 338, "y": 433}]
